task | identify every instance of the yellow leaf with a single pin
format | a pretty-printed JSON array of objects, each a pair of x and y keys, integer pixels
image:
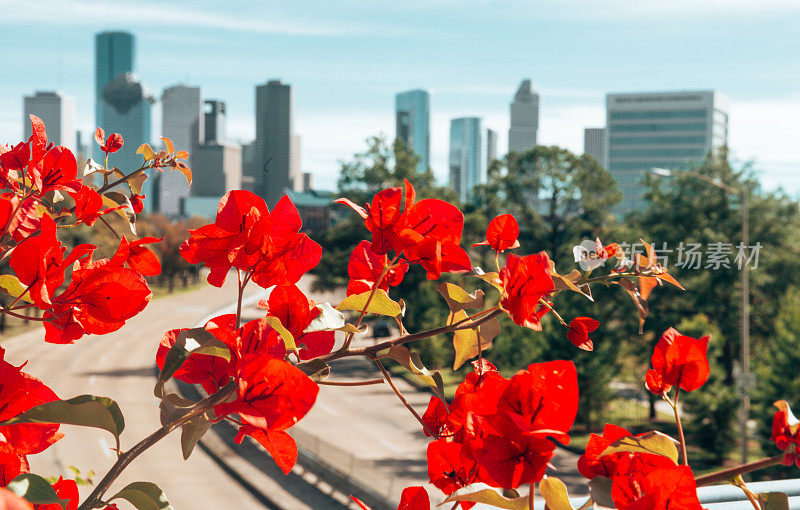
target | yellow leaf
[
  {"x": 412, "y": 362},
  {"x": 284, "y": 333},
  {"x": 652, "y": 442},
  {"x": 466, "y": 341},
  {"x": 493, "y": 279},
  {"x": 380, "y": 303},
  {"x": 555, "y": 493},
  {"x": 187, "y": 172},
  {"x": 483, "y": 493},
  {"x": 12, "y": 285},
  {"x": 458, "y": 298},
  {"x": 181, "y": 155},
  {"x": 146, "y": 151},
  {"x": 136, "y": 183},
  {"x": 169, "y": 144}
]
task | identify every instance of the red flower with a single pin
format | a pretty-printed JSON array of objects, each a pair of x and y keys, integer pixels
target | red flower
[
  {"x": 20, "y": 392},
  {"x": 65, "y": 489},
  {"x": 137, "y": 257},
  {"x": 578, "y": 332},
  {"x": 786, "y": 433},
  {"x": 681, "y": 360},
  {"x": 435, "y": 418},
  {"x": 414, "y": 498},
  {"x": 654, "y": 382},
  {"x": 89, "y": 205},
  {"x": 137, "y": 202},
  {"x": 525, "y": 281},
  {"x": 591, "y": 464},
  {"x": 272, "y": 395},
  {"x": 295, "y": 311},
  {"x": 450, "y": 468},
  {"x": 56, "y": 170},
  {"x": 502, "y": 233},
  {"x": 247, "y": 236},
  {"x": 40, "y": 264},
  {"x": 655, "y": 483},
  {"x": 366, "y": 266},
  {"x": 112, "y": 144}
]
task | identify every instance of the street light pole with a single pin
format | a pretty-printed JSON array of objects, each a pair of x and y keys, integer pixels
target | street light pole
[{"x": 744, "y": 382}]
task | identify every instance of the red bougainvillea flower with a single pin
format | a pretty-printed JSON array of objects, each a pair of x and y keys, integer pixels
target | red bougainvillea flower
[
  {"x": 89, "y": 205},
  {"x": 502, "y": 234},
  {"x": 18, "y": 393},
  {"x": 295, "y": 312},
  {"x": 786, "y": 433},
  {"x": 366, "y": 266},
  {"x": 591, "y": 464},
  {"x": 57, "y": 170},
  {"x": 412, "y": 498},
  {"x": 654, "y": 482},
  {"x": 108, "y": 145},
  {"x": 134, "y": 255},
  {"x": 578, "y": 332},
  {"x": 450, "y": 468},
  {"x": 137, "y": 202},
  {"x": 247, "y": 236},
  {"x": 654, "y": 382},
  {"x": 525, "y": 281},
  {"x": 435, "y": 418},
  {"x": 40, "y": 264},
  {"x": 681, "y": 360},
  {"x": 427, "y": 232},
  {"x": 66, "y": 490},
  {"x": 98, "y": 300},
  {"x": 272, "y": 395}
]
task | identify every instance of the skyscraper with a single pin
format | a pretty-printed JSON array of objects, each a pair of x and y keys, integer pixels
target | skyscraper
[
  {"x": 182, "y": 121},
  {"x": 466, "y": 156},
  {"x": 524, "y": 110},
  {"x": 57, "y": 111},
  {"x": 491, "y": 147},
  {"x": 271, "y": 167},
  {"x": 126, "y": 105},
  {"x": 660, "y": 129},
  {"x": 594, "y": 144},
  {"x": 214, "y": 121},
  {"x": 295, "y": 170},
  {"x": 114, "y": 55},
  {"x": 413, "y": 123}
]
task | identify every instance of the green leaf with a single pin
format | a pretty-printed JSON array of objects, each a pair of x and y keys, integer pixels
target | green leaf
[
  {"x": 114, "y": 199},
  {"x": 483, "y": 493},
  {"x": 412, "y": 362},
  {"x": 288, "y": 338},
  {"x": 380, "y": 303},
  {"x": 174, "y": 407},
  {"x": 35, "y": 489},
  {"x": 458, "y": 298},
  {"x": 600, "y": 490},
  {"x": 331, "y": 319},
  {"x": 555, "y": 493},
  {"x": 650, "y": 442},
  {"x": 144, "y": 496},
  {"x": 773, "y": 501},
  {"x": 192, "y": 432},
  {"x": 466, "y": 341},
  {"x": 12, "y": 285},
  {"x": 84, "y": 410},
  {"x": 188, "y": 342}
]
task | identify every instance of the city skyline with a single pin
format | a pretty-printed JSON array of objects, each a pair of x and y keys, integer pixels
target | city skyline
[{"x": 316, "y": 53}]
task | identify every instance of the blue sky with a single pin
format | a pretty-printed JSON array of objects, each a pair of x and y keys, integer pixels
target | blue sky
[{"x": 347, "y": 58}]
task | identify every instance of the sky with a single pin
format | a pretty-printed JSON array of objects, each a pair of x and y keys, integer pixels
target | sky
[{"x": 346, "y": 60}]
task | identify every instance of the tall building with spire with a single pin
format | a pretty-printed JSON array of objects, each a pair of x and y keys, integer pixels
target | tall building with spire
[
  {"x": 524, "y": 110},
  {"x": 412, "y": 110}
]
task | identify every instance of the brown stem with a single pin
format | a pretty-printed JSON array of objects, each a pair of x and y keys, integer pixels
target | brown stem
[
  {"x": 239, "y": 299},
  {"x": 107, "y": 187},
  {"x": 530, "y": 498},
  {"x": 373, "y": 349},
  {"x": 24, "y": 317},
  {"x": 351, "y": 383},
  {"x": 94, "y": 499},
  {"x": 109, "y": 227},
  {"x": 724, "y": 475},
  {"x": 680, "y": 427},
  {"x": 402, "y": 398}
]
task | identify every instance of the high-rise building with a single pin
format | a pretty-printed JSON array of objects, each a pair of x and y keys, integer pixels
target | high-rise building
[
  {"x": 217, "y": 169},
  {"x": 114, "y": 56},
  {"x": 272, "y": 166},
  {"x": 126, "y": 105},
  {"x": 660, "y": 129},
  {"x": 413, "y": 123},
  {"x": 214, "y": 121},
  {"x": 466, "y": 156},
  {"x": 182, "y": 121},
  {"x": 594, "y": 144},
  {"x": 295, "y": 170},
  {"x": 491, "y": 147},
  {"x": 57, "y": 111},
  {"x": 524, "y": 110}
]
